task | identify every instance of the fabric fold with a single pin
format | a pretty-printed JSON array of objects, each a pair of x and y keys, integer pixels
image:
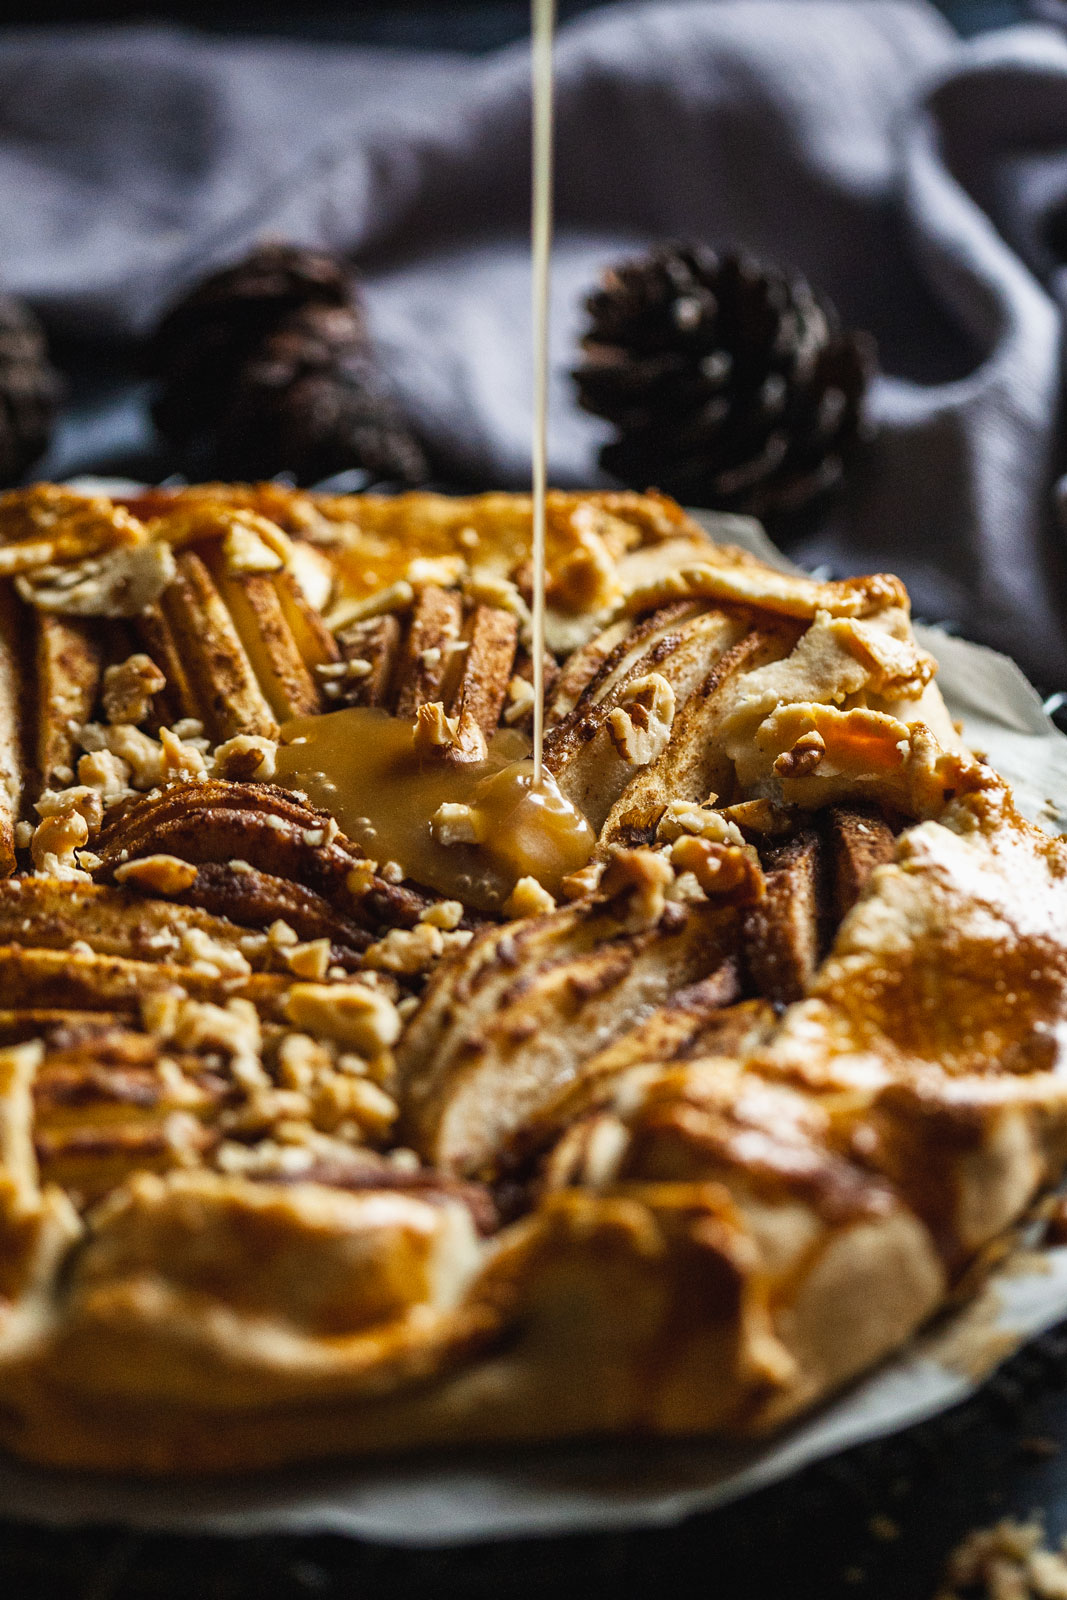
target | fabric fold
[{"x": 920, "y": 181}]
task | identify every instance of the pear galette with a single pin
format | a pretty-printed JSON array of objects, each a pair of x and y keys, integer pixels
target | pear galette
[{"x": 357, "y": 1094}]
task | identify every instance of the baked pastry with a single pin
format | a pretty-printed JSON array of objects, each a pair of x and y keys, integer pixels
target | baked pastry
[{"x": 355, "y": 1097}]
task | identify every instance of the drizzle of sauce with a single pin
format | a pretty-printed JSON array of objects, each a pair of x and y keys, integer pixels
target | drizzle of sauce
[
  {"x": 544, "y": 22},
  {"x": 363, "y": 767}
]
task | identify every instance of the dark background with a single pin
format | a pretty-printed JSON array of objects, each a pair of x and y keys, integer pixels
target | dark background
[
  {"x": 875, "y": 1524},
  {"x": 420, "y": 24}
]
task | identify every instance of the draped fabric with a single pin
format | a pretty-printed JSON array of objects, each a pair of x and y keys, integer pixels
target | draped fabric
[{"x": 919, "y": 180}]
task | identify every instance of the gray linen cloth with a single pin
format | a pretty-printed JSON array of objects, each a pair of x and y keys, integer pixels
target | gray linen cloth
[{"x": 921, "y": 181}]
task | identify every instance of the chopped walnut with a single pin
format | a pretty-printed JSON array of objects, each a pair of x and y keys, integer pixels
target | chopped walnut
[
  {"x": 233, "y": 1029},
  {"x": 355, "y": 1015},
  {"x": 338, "y": 1098},
  {"x": 804, "y": 758},
  {"x": 432, "y": 731},
  {"x": 645, "y": 877},
  {"x": 142, "y": 755},
  {"x": 762, "y": 816},
  {"x": 720, "y": 869},
  {"x": 301, "y": 1059},
  {"x": 130, "y": 687},
  {"x": 407, "y": 950},
  {"x": 686, "y": 817},
  {"x": 280, "y": 934},
  {"x": 180, "y": 760},
  {"x": 576, "y": 885},
  {"x": 81, "y": 798},
  {"x": 640, "y": 725},
  {"x": 528, "y": 899},
  {"x": 456, "y": 823},
  {"x": 54, "y": 842},
  {"x": 211, "y": 956},
  {"x": 159, "y": 1013},
  {"x": 308, "y": 960},
  {"x": 246, "y": 757},
  {"x": 266, "y": 1108},
  {"x": 161, "y": 874},
  {"x": 360, "y": 877},
  {"x": 106, "y": 773},
  {"x": 445, "y": 914},
  {"x": 339, "y": 679},
  {"x": 1009, "y": 1561},
  {"x": 399, "y": 596},
  {"x": 150, "y": 761}
]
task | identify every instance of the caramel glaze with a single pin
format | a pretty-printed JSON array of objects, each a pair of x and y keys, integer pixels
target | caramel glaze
[{"x": 365, "y": 769}]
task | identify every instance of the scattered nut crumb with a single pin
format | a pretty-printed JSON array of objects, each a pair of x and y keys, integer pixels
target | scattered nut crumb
[
  {"x": 54, "y": 842},
  {"x": 353, "y": 1014},
  {"x": 406, "y": 950},
  {"x": 308, "y": 960},
  {"x": 130, "y": 687},
  {"x": 456, "y": 823},
  {"x": 446, "y": 914},
  {"x": 528, "y": 899},
  {"x": 162, "y": 874},
  {"x": 248, "y": 757},
  {"x": 1009, "y": 1561},
  {"x": 804, "y": 758}
]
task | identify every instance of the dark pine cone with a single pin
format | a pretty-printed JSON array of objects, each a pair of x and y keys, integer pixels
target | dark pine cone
[
  {"x": 731, "y": 385},
  {"x": 29, "y": 390},
  {"x": 267, "y": 367}
]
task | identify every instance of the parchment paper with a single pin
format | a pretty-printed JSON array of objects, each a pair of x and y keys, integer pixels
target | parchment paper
[{"x": 477, "y": 1495}]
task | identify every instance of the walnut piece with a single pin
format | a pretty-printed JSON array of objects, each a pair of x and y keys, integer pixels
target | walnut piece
[
  {"x": 406, "y": 950},
  {"x": 640, "y": 725},
  {"x": 455, "y": 823},
  {"x": 444, "y": 914},
  {"x": 528, "y": 899},
  {"x": 159, "y": 874},
  {"x": 354, "y": 1015},
  {"x": 685, "y": 817},
  {"x": 432, "y": 731},
  {"x": 310, "y": 959},
  {"x": 248, "y": 757},
  {"x": 54, "y": 842},
  {"x": 645, "y": 877},
  {"x": 130, "y": 687},
  {"x": 803, "y": 758}
]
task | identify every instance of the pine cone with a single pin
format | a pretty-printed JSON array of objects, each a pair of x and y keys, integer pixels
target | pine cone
[
  {"x": 29, "y": 390},
  {"x": 731, "y": 385},
  {"x": 267, "y": 367}
]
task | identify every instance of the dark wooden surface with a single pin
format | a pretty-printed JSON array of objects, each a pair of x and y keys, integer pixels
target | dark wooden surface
[{"x": 876, "y": 1523}]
